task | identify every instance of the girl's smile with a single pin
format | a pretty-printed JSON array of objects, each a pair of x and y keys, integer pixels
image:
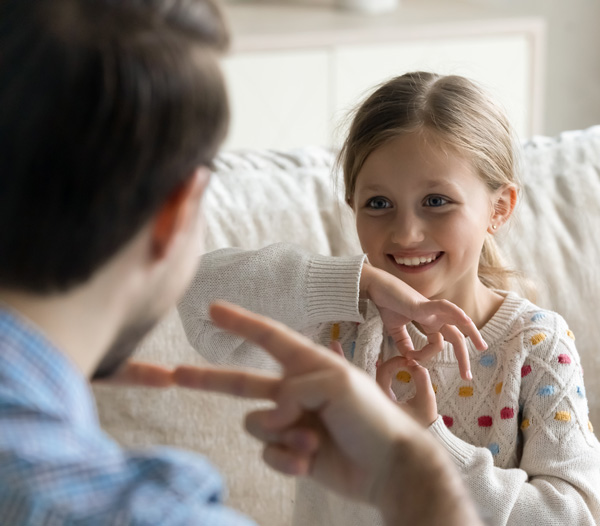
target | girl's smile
[{"x": 416, "y": 263}]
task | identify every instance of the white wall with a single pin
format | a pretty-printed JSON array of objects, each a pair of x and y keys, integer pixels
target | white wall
[
  {"x": 572, "y": 98},
  {"x": 572, "y": 81}
]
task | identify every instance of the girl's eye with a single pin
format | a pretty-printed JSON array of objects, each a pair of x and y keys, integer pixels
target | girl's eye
[
  {"x": 378, "y": 203},
  {"x": 435, "y": 200}
]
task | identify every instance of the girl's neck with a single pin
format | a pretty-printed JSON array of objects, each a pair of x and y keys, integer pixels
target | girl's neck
[{"x": 479, "y": 304}]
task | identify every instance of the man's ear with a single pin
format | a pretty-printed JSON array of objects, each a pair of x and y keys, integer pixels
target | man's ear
[
  {"x": 504, "y": 202},
  {"x": 178, "y": 211}
]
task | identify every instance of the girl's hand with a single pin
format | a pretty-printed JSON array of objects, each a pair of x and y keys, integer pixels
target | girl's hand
[
  {"x": 423, "y": 406},
  {"x": 400, "y": 304}
]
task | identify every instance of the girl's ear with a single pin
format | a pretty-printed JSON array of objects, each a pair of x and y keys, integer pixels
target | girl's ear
[{"x": 504, "y": 202}]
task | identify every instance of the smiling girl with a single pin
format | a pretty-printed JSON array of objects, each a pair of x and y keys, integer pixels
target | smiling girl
[{"x": 429, "y": 171}]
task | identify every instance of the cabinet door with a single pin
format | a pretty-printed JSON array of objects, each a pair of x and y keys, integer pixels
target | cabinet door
[
  {"x": 278, "y": 99},
  {"x": 502, "y": 64}
]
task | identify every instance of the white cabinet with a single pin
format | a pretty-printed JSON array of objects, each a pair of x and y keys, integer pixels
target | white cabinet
[
  {"x": 295, "y": 72},
  {"x": 278, "y": 99}
]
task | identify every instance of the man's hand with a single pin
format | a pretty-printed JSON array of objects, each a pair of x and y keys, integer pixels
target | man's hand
[
  {"x": 140, "y": 374},
  {"x": 330, "y": 420},
  {"x": 399, "y": 304}
]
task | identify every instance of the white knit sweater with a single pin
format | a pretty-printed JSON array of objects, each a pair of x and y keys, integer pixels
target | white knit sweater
[{"x": 518, "y": 432}]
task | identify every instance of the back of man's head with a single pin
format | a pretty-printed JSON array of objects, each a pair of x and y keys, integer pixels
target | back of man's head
[{"x": 106, "y": 107}]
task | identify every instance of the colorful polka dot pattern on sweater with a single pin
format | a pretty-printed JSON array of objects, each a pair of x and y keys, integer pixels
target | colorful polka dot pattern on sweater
[
  {"x": 525, "y": 406},
  {"x": 528, "y": 381}
]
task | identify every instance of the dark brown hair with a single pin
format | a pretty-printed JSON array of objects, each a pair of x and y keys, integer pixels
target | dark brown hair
[{"x": 106, "y": 107}]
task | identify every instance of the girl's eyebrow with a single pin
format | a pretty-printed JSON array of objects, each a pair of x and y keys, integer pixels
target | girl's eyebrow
[
  {"x": 372, "y": 188},
  {"x": 432, "y": 183}
]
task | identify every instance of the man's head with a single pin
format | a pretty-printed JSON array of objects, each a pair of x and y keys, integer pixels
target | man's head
[{"x": 108, "y": 108}]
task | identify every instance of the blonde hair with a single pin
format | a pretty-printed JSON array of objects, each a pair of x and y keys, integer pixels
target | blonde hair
[{"x": 460, "y": 115}]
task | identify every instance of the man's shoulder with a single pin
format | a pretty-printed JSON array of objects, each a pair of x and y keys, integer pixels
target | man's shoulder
[{"x": 49, "y": 469}]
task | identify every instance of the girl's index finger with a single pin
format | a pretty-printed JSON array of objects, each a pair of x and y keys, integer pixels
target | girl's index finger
[{"x": 296, "y": 353}]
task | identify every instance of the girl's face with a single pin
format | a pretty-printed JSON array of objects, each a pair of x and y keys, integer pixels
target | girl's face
[{"x": 422, "y": 214}]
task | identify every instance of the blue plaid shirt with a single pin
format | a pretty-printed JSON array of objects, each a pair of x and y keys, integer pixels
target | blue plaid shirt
[{"x": 57, "y": 467}]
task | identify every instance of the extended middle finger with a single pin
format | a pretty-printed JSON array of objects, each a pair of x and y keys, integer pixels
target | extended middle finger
[{"x": 456, "y": 338}]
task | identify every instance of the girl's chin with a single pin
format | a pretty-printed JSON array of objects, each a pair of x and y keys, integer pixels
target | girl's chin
[{"x": 424, "y": 286}]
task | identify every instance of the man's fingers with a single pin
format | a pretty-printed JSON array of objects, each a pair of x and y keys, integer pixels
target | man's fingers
[
  {"x": 284, "y": 344},
  {"x": 303, "y": 436},
  {"x": 336, "y": 347},
  {"x": 237, "y": 383},
  {"x": 287, "y": 461},
  {"x": 309, "y": 392},
  {"x": 140, "y": 374},
  {"x": 289, "y": 450}
]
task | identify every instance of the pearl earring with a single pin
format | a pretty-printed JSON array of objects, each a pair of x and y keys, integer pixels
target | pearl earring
[{"x": 494, "y": 227}]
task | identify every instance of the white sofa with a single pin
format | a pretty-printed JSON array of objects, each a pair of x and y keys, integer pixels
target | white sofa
[{"x": 260, "y": 197}]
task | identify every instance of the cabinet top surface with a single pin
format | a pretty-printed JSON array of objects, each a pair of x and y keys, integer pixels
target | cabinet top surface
[{"x": 267, "y": 25}]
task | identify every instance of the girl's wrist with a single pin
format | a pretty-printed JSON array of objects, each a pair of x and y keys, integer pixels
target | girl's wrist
[{"x": 366, "y": 279}]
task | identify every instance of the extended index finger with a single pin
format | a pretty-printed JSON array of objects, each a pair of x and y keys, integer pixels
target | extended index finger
[
  {"x": 453, "y": 335},
  {"x": 296, "y": 353},
  {"x": 140, "y": 374},
  {"x": 243, "y": 384}
]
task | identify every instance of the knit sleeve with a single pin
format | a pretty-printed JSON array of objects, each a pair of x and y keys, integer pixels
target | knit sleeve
[
  {"x": 281, "y": 281},
  {"x": 557, "y": 480}
]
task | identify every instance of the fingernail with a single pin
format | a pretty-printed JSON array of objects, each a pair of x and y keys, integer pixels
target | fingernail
[{"x": 469, "y": 375}]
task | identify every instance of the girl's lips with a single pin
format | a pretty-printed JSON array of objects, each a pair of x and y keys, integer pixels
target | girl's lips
[{"x": 416, "y": 268}]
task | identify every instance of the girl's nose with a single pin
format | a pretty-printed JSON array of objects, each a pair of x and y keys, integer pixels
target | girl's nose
[{"x": 407, "y": 230}]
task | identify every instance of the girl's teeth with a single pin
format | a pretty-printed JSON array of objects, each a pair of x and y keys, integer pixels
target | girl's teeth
[{"x": 413, "y": 262}]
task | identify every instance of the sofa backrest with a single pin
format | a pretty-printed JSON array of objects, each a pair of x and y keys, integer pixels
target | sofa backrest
[{"x": 555, "y": 238}]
